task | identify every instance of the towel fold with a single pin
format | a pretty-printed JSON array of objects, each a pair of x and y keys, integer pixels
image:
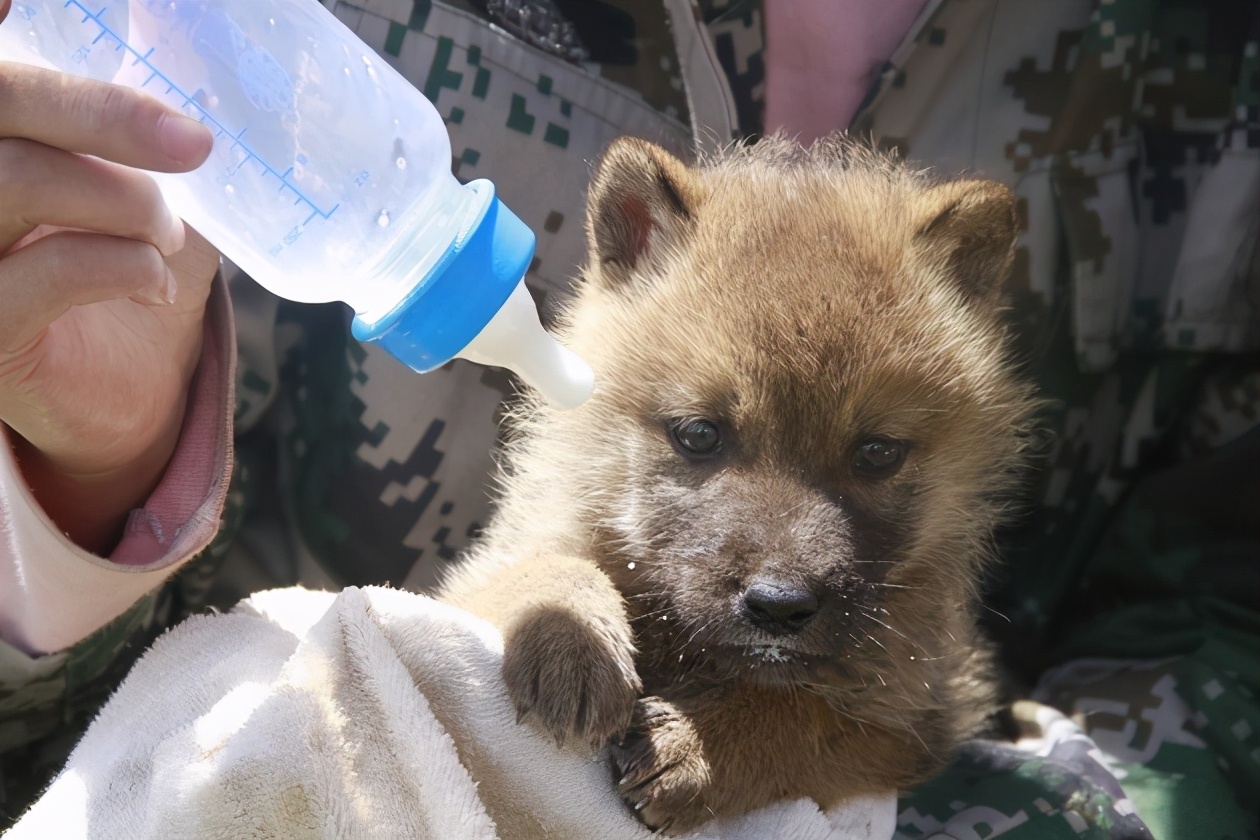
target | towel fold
[{"x": 368, "y": 713}]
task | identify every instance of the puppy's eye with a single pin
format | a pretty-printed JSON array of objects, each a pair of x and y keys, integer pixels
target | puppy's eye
[
  {"x": 879, "y": 457},
  {"x": 696, "y": 437}
]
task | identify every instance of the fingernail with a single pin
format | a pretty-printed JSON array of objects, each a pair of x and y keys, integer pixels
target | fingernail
[
  {"x": 184, "y": 140},
  {"x": 163, "y": 295},
  {"x": 173, "y": 240}
]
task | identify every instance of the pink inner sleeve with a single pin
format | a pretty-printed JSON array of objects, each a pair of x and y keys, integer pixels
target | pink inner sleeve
[{"x": 195, "y": 475}]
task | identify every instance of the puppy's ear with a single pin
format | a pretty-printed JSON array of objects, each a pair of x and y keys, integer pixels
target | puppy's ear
[
  {"x": 969, "y": 228},
  {"x": 641, "y": 204}
]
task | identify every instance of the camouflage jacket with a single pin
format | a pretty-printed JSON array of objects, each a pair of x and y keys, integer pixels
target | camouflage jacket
[{"x": 1130, "y": 131}]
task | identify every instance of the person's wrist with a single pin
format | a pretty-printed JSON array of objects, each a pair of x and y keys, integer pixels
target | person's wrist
[{"x": 88, "y": 492}]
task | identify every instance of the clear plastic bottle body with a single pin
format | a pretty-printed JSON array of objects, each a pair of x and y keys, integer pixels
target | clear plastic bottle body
[{"x": 330, "y": 175}]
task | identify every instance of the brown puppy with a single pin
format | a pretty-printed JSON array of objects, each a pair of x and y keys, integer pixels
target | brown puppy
[{"x": 751, "y": 559}]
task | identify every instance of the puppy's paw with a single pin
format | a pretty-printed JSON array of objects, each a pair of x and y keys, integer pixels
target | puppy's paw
[
  {"x": 662, "y": 771},
  {"x": 574, "y": 674}
]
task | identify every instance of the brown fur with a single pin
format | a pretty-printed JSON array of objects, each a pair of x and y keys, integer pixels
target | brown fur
[{"x": 804, "y": 301}]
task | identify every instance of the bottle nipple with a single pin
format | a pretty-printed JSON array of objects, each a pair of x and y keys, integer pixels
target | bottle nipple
[
  {"x": 451, "y": 311},
  {"x": 515, "y": 339}
]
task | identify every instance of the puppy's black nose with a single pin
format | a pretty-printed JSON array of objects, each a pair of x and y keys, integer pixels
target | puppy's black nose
[{"x": 779, "y": 607}]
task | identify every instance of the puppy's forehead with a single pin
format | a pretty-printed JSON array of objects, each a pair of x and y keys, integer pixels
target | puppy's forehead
[
  {"x": 807, "y": 276},
  {"x": 794, "y": 242},
  {"x": 808, "y": 311},
  {"x": 799, "y": 303},
  {"x": 752, "y": 206}
]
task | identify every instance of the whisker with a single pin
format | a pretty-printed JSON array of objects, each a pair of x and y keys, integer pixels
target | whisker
[
  {"x": 919, "y": 738},
  {"x": 794, "y": 508},
  {"x": 892, "y": 629},
  {"x": 699, "y": 630},
  {"x": 995, "y": 612}
]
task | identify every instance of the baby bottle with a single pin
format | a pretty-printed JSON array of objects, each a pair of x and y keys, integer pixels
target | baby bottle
[{"x": 330, "y": 174}]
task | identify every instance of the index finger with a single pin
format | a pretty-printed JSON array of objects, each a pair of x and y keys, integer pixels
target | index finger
[{"x": 100, "y": 119}]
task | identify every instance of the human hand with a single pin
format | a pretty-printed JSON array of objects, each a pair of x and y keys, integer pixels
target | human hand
[{"x": 104, "y": 292}]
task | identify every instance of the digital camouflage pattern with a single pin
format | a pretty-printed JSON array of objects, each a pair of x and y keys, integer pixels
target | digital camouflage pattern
[
  {"x": 1130, "y": 133},
  {"x": 1128, "y": 602}
]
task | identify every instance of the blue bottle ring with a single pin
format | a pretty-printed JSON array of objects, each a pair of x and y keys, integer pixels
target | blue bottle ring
[{"x": 446, "y": 310}]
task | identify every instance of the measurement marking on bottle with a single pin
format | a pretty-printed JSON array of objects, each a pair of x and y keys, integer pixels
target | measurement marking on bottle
[{"x": 206, "y": 117}]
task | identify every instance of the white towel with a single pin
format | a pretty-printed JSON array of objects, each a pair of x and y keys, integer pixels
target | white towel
[{"x": 369, "y": 713}]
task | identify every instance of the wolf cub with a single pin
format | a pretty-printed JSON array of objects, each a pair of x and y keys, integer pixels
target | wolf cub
[{"x": 749, "y": 563}]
